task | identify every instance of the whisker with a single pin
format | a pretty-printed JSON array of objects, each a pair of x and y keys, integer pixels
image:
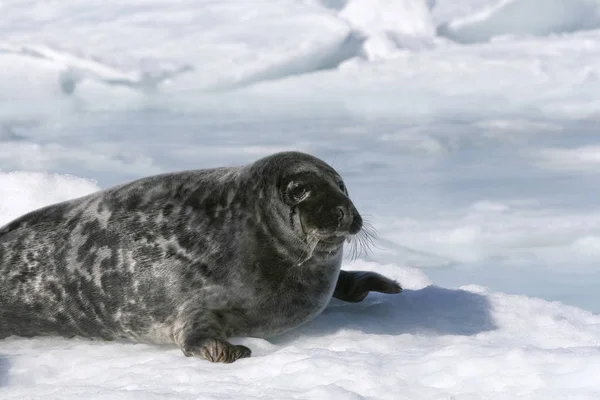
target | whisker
[
  {"x": 371, "y": 235},
  {"x": 353, "y": 248},
  {"x": 364, "y": 241},
  {"x": 312, "y": 241}
]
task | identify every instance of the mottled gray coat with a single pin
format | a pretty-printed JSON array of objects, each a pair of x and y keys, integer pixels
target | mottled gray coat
[{"x": 190, "y": 258}]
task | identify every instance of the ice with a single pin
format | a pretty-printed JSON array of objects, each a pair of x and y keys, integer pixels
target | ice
[
  {"x": 408, "y": 17},
  {"x": 578, "y": 158},
  {"x": 389, "y": 26},
  {"x": 524, "y": 17},
  {"x": 466, "y": 132},
  {"x": 537, "y": 77},
  {"x": 518, "y": 233},
  {"x": 236, "y": 45},
  {"x": 209, "y": 44}
]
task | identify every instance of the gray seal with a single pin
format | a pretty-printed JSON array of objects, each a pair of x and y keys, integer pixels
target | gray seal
[{"x": 190, "y": 258}]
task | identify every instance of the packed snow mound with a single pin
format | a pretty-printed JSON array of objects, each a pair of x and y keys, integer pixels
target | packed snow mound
[
  {"x": 406, "y": 17},
  {"x": 444, "y": 11},
  {"x": 555, "y": 77},
  {"x": 148, "y": 55},
  {"x": 145, "y": 44},
  {"x": 524, "y": 17},
  {"x": 389, "y": 25},
  {"x": 386, "y": 27},
  {"x": 21, "y": 192}
]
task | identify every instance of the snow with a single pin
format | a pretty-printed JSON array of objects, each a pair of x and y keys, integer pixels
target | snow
[
  {"x": 388, "y": 26},
  {"x": 26, "y": 191},
  {"x": 466, "y": 131},
  {"x": 232, "y": 42},
  {"x": 514, "y": 17},
  {"x": 580, "y": 158}
]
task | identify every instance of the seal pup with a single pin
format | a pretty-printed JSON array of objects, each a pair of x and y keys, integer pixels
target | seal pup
[{"x": 190, "y": 258}]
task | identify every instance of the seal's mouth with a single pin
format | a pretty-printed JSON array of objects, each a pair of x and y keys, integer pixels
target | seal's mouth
[
  {"x": 331, "y": 236},
  {"x": 333, "y": 239},
  {"x": 330, "y": 240}
]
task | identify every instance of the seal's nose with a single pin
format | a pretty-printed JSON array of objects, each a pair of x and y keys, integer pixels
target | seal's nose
[
  {"x": 349, "y": 220},
  {"x": 357, "y": 223}
]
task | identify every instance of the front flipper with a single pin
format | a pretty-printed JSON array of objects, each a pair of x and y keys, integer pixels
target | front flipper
[
  {"x": 203, "y": 336},
  {"x": 354, "y": 286}
]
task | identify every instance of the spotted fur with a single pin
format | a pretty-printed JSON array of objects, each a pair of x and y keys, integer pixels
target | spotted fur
[{"x": 190, "y": 258}]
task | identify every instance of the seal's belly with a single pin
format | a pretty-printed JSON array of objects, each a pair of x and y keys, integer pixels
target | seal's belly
[{"x": 287, "y": 312}]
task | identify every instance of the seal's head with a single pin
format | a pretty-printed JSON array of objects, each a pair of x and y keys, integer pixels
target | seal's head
[{"x": 313, "y": 197}]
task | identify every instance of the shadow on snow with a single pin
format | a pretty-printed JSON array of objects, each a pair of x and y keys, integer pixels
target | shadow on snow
[
  {"x": 4, "y": 368},
  {"x": 429, "y": 311}
]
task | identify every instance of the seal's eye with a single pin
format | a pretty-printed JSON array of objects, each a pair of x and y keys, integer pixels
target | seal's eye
[
  {"x": 342, "y": 187},
  {"x": 298, "y": 192}
]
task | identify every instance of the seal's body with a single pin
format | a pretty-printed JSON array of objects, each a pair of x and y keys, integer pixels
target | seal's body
[{"x": 190, "y": 258}]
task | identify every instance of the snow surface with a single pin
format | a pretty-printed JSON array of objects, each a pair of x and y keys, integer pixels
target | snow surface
[
  {"x": 466, "y": 131},
  {"x": 525, "y": 17}
]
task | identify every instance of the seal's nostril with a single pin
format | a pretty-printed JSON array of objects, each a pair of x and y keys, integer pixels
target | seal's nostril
[
  {"x": 356, "y": 224},
  {"x": 340, "y": 214}
]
